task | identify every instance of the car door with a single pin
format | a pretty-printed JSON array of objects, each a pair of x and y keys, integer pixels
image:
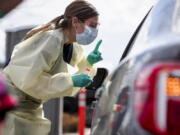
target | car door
[{"x": 113, "y": 104}]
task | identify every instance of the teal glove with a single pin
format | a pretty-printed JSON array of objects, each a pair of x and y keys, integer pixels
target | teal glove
[
  {"x": 95, "y": 55},
  {"x": 81, "y": 80}
]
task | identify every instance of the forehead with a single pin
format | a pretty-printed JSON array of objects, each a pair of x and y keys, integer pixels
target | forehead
[{"x": 93, "y": 20}]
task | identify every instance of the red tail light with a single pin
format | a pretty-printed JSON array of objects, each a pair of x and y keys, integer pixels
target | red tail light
[
  {"x": 157, "y": 98},
  {"x": 7, "y": 101}
]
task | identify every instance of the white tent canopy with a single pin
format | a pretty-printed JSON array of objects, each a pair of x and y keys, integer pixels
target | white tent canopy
[{"x": 118, "y": 19}]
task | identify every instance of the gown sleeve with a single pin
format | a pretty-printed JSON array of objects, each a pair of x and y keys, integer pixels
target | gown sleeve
[
  {"x": 30, "y": 62},
  {"x": 79, "y": 60}
]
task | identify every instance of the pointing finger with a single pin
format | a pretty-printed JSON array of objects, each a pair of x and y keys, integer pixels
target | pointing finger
[{"x": 97, "y": 45}]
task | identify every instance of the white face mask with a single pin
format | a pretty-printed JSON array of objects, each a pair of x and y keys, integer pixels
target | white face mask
[{"x": 88, "y": 36}]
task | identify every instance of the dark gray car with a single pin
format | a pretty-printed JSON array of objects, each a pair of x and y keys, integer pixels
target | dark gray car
[{"x": 142, "y": 95}]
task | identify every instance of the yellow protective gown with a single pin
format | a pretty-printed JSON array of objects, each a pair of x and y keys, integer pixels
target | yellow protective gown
[{"x": 36, "y": 73}]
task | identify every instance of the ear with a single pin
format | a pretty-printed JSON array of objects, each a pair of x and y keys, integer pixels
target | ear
[{"x": 74, "y": 21}]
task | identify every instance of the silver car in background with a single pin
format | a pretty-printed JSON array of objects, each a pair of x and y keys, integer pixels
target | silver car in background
[{"x": 142, "y": 95}]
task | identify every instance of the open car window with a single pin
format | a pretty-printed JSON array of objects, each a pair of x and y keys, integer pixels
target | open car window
[{"x": 131, "y": 42}]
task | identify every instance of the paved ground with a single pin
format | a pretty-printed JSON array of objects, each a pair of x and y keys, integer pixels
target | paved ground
[{"x": 87, "y": 132}]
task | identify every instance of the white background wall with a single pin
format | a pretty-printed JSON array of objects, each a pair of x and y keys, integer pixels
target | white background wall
[{"x": 118, "y": 19}]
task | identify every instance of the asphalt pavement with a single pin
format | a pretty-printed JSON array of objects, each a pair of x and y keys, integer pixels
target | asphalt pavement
[{"x": 87, "y": 132}]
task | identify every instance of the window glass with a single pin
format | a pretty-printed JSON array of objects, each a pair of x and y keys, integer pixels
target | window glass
[
  {"x": 140, "y": 39},
  {"x": 176, "y": 19}
]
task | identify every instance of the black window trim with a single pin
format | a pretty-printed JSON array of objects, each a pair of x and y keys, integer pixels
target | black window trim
[{"x": 131, "y": 41}]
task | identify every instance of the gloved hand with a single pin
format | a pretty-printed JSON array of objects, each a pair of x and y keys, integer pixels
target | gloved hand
[
  {"x": 95, "y": 55},
  {"x": 81, "y": 80}
]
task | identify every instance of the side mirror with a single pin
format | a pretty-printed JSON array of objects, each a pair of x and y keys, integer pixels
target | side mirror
[
  {"x": 97, "y": 82},
  {"x": 98, "y": 79}
]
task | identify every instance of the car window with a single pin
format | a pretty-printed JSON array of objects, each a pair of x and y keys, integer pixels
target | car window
[
  {"x": 140, "y": 40},
  {"x": 176, "y": 19},
  {"x": 139, "y": 35},
  {"x": 158, "y": 23}
]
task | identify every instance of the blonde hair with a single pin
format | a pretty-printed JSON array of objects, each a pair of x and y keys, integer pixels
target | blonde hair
[{"x": 78, "y": 8}]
